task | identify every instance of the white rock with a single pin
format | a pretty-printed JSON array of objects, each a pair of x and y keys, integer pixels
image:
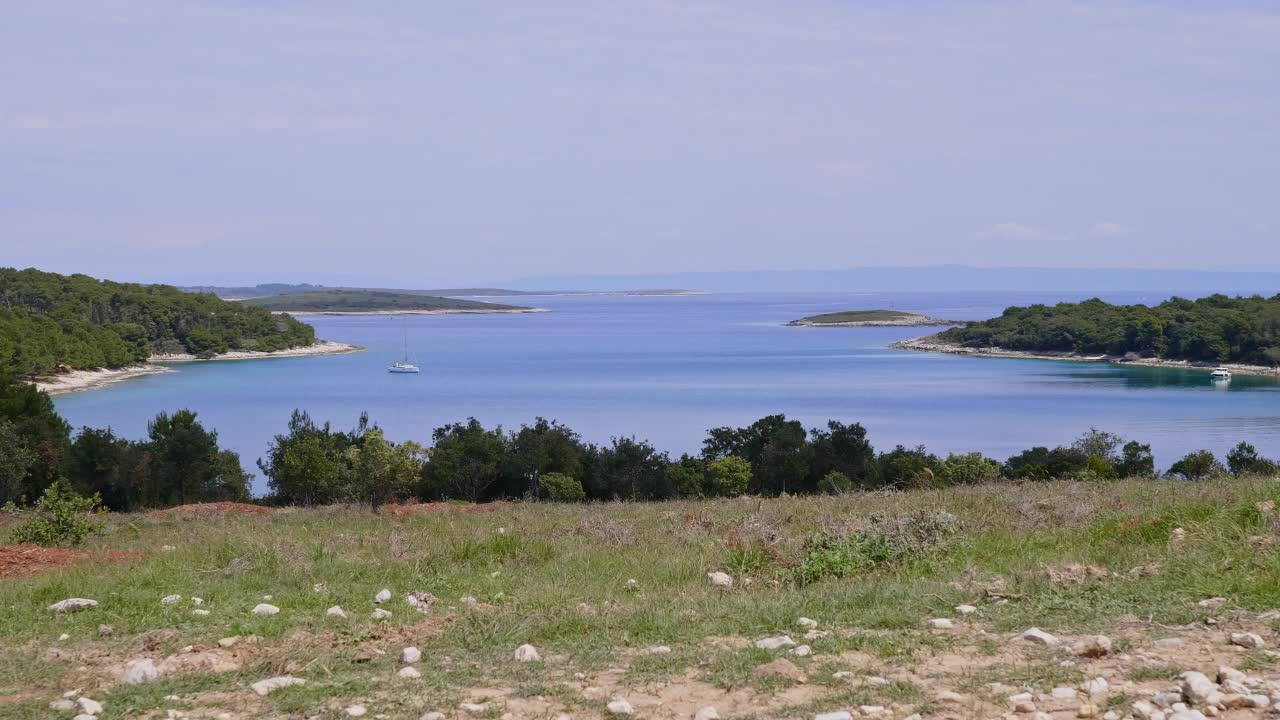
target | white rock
[
  {"x": 1226, "y": 673},
  {"x": 1111, "y": 715},
  {"x": 871, "y": 710},
  {"x": 842, "y": 675},
  {"x": 837, "y": 715},
  {"x": 88, "y": 706},
  {"x": 1036, "y": 635},
  {"x": 632, "y": 585},
  {"x": 336, "y": 612},
  {"x": 875, "y": 681},
  {"x": 168, "y": 548},
  {"x": 472, "y": 708},
  {"x": 268, "y": 598},
  {"x": 200, "y": 612},
  {"x": 84, "y": 716},
  {"x": 140, "y": 671},
  {"x": 1087, "y": 710},
  {"x": 1167, "y": 700},
  {"x": 170, "y": 599},
  {"x": 1169, "y": 642},
  {"x": 1212, "y": 602},
  {"x": 1096, "y": 686},
  {"x": 73, "y": 605},
  {"x": 1258, "y": 701},
  {"x": 660, "y": 650},
  {"x": 264, "y": 609},
  {"x": 1196, "y": 687},
  {"x": 720, "y": 580},
  {"x": 1022, "y": 703},
  {"x": 64, "y": 636},
  {"x": 707, "y": 713},
  {"x": 1063, "y": 693},
  {"x": 380, "y": 614},
  {"x": 966, "y": 609},
  {"x": 948, "y": 696},
  {"x": 1146, "y": 711},
  {"x": 357, "y": 711},
  {"x": 619, "y": 706},
  {"x": 801, "y": 651},
  {"x": 62, "y": 705},
  {"x": 527, "y": 653},
  {"x": 1187, "y": 715},
  {"x": 409, "y": 672},
  {"x": 775, "y": 643},
  {"x": 1251, "y": 641},
  {"x": 807, "y": 623},
  {"x": 266, "y": 687},
  {"x": 382, "y": 596},
  {"x": 432, "y": 716},
  {"x": 941, "y": 624},
  {"x": 410, "y": 655},
  {"x": 197, "y": 601}
]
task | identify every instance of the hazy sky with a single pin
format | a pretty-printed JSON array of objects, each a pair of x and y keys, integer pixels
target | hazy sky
[{"x": 452, "y": 142}]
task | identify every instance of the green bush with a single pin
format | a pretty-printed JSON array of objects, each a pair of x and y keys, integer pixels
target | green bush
[
  {"x": 59, "y": 519},
  {"x": 886, "y": 540},
  {"x": 728, "y": 476},
  {"x": 835, "y": 483},
  {"x": 561, "y": 488},
  {"x": 1199, "y": 465},
  {"x": 968, "y": 469}
]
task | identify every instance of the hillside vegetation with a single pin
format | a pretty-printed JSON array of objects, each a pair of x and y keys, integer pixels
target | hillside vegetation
[
  {"x": 356, "y": 301},
  {"x": 1212, "y": 329},
  {"x": 878, "y": 605},
  {"x": 871, "y": 318},
  {"x": 75, "y": 321}
]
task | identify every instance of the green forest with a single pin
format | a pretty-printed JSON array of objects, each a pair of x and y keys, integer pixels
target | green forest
[
  {"x": 1212, "y": 329},
  {"x": 48, "y": 321}
]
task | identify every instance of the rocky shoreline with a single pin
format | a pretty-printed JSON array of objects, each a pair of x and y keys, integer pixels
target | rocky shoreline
[
  {"x": 82, "y": 380},
  {"x": 913, "y": 321},
  {"x": 516, "y": 311},
  {"x": 931, "y": 344}
]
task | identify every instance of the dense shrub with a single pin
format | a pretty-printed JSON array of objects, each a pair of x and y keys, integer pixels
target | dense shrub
[
  {"x": 60, "y": 518},
  {"x": 561, "y": 488},
  {"x": 728, "y": 476},
  {"x": 1199, "y": 465},
  {"x": 1244, "y": 460}
]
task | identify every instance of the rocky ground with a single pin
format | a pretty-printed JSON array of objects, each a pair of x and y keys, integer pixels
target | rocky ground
[{"x": 1122, "y": 600}]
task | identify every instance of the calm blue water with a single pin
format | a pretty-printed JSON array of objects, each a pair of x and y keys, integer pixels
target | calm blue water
[{"x": 668, "y": 368}]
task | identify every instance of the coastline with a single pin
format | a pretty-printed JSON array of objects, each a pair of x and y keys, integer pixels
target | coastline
[
  {"x": 918, "y": 321},
  {"x": 514, "y": 311},
  {"x": 320, "y": 347},
  {"x": 82, "y": 380},
  {"x": 929, "y": 344}
]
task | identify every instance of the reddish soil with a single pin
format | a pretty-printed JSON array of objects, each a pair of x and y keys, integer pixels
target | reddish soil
[
  {"x": 205, "y": 510},
  {"x": 22, "y": 560}
]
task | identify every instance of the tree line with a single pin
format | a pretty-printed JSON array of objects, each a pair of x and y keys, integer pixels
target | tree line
[
  {"x": 50, "y": 321},
  {"x": 180, "y": 461},
  {"x": 1212, "y": 329}
]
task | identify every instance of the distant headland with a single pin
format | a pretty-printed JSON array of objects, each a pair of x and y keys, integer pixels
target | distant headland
[
  {"x": 871, "y": 318},
  {"x": 376, "y": 302}
]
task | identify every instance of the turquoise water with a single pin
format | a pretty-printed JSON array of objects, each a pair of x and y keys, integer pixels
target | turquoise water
[{"x": 668, "y": 368}]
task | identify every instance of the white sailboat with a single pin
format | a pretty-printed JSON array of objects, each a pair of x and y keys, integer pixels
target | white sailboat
[{"x": 405, "y": 365}]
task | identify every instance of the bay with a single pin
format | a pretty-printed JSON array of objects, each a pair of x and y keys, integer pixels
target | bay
[{"x": 667, "y": 368}]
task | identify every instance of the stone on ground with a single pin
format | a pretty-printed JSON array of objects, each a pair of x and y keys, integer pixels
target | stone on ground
[
  {"x": 410, "y": 655},
  {"x": 707, "y": 713},
  {"x": 200, "y": 612},
  {"x": 660, "y": 650},
  {"x": 266, "y": 687},
  {"x": 140, "y": 671},
  {"x": 433, "y": 715},
  {"x": 1212, "y": 602},
  {"x": 106, "y": 631},
  {"x": 966, "y": 609},
  {"x": 380, "y": 614},
  {"x": 1036, "y": 635},
  {"x": 473, "y": 708},
  {"x": 801, "y": 651},
  {"x": 1096, "y": 686},
  {"x": 807, "y": 623},
  {"x": 720, "y": 580},
  {"x": 62, "y": 705},
  {"x": 949, "y": 696},
  {"x": 782, "y": 668},
  {"x": 409, "y": 672},
  {"x": 357, "y": 711},
  {"x": 336, "y": 612},
  {"x": 527, "y": 653},
  {"x": 619, "y": 706},
  {"x": 73, "y": 605},
  {"x": 1250, "y": 641},
  {"x": 170, "y": 599},
  {"x": 941, "y": 624},
  {"x": 89, "y": 706},
  {"x": 775, "y": 643},
  {"x": 837, "y": 715},
  {"x": 1196, "y": 687},
  {"x": 382, "y": 596},
  {"x": 1094, "y": 646},
  {"x": 265, "y": 609}
]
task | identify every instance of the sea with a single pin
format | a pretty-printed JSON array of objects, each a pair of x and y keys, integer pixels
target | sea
[{"x": 667, "y": 368}]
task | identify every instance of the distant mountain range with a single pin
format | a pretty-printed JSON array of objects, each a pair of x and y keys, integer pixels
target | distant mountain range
[{"x": 934, "y": 278}]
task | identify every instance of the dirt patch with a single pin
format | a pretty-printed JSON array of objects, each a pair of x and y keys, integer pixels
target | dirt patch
[
  {"x": 207, "y": 510},
  {"x": 23, "y": 560}
]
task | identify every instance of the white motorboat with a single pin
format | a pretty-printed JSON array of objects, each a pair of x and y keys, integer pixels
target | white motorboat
[{"x": 1220, "y": 375}]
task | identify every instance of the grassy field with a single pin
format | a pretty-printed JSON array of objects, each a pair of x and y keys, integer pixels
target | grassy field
[{"x": 596, "y": 588}]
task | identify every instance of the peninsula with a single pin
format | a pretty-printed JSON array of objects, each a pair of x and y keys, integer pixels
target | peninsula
[
  {"x": 1240, "y": 333},
  {"x": 871, "y": 318},
  {"x": 375, "y": 302}
]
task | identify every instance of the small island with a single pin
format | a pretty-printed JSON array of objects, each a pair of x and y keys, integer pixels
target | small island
[
  {"x": 871, "y": 318},
  {"x": 1237, "y": 333},
  {"x": 376, "y": 302}
]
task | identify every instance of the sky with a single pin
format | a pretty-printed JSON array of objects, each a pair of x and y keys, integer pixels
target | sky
[{"x": 422, "y": 143}]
